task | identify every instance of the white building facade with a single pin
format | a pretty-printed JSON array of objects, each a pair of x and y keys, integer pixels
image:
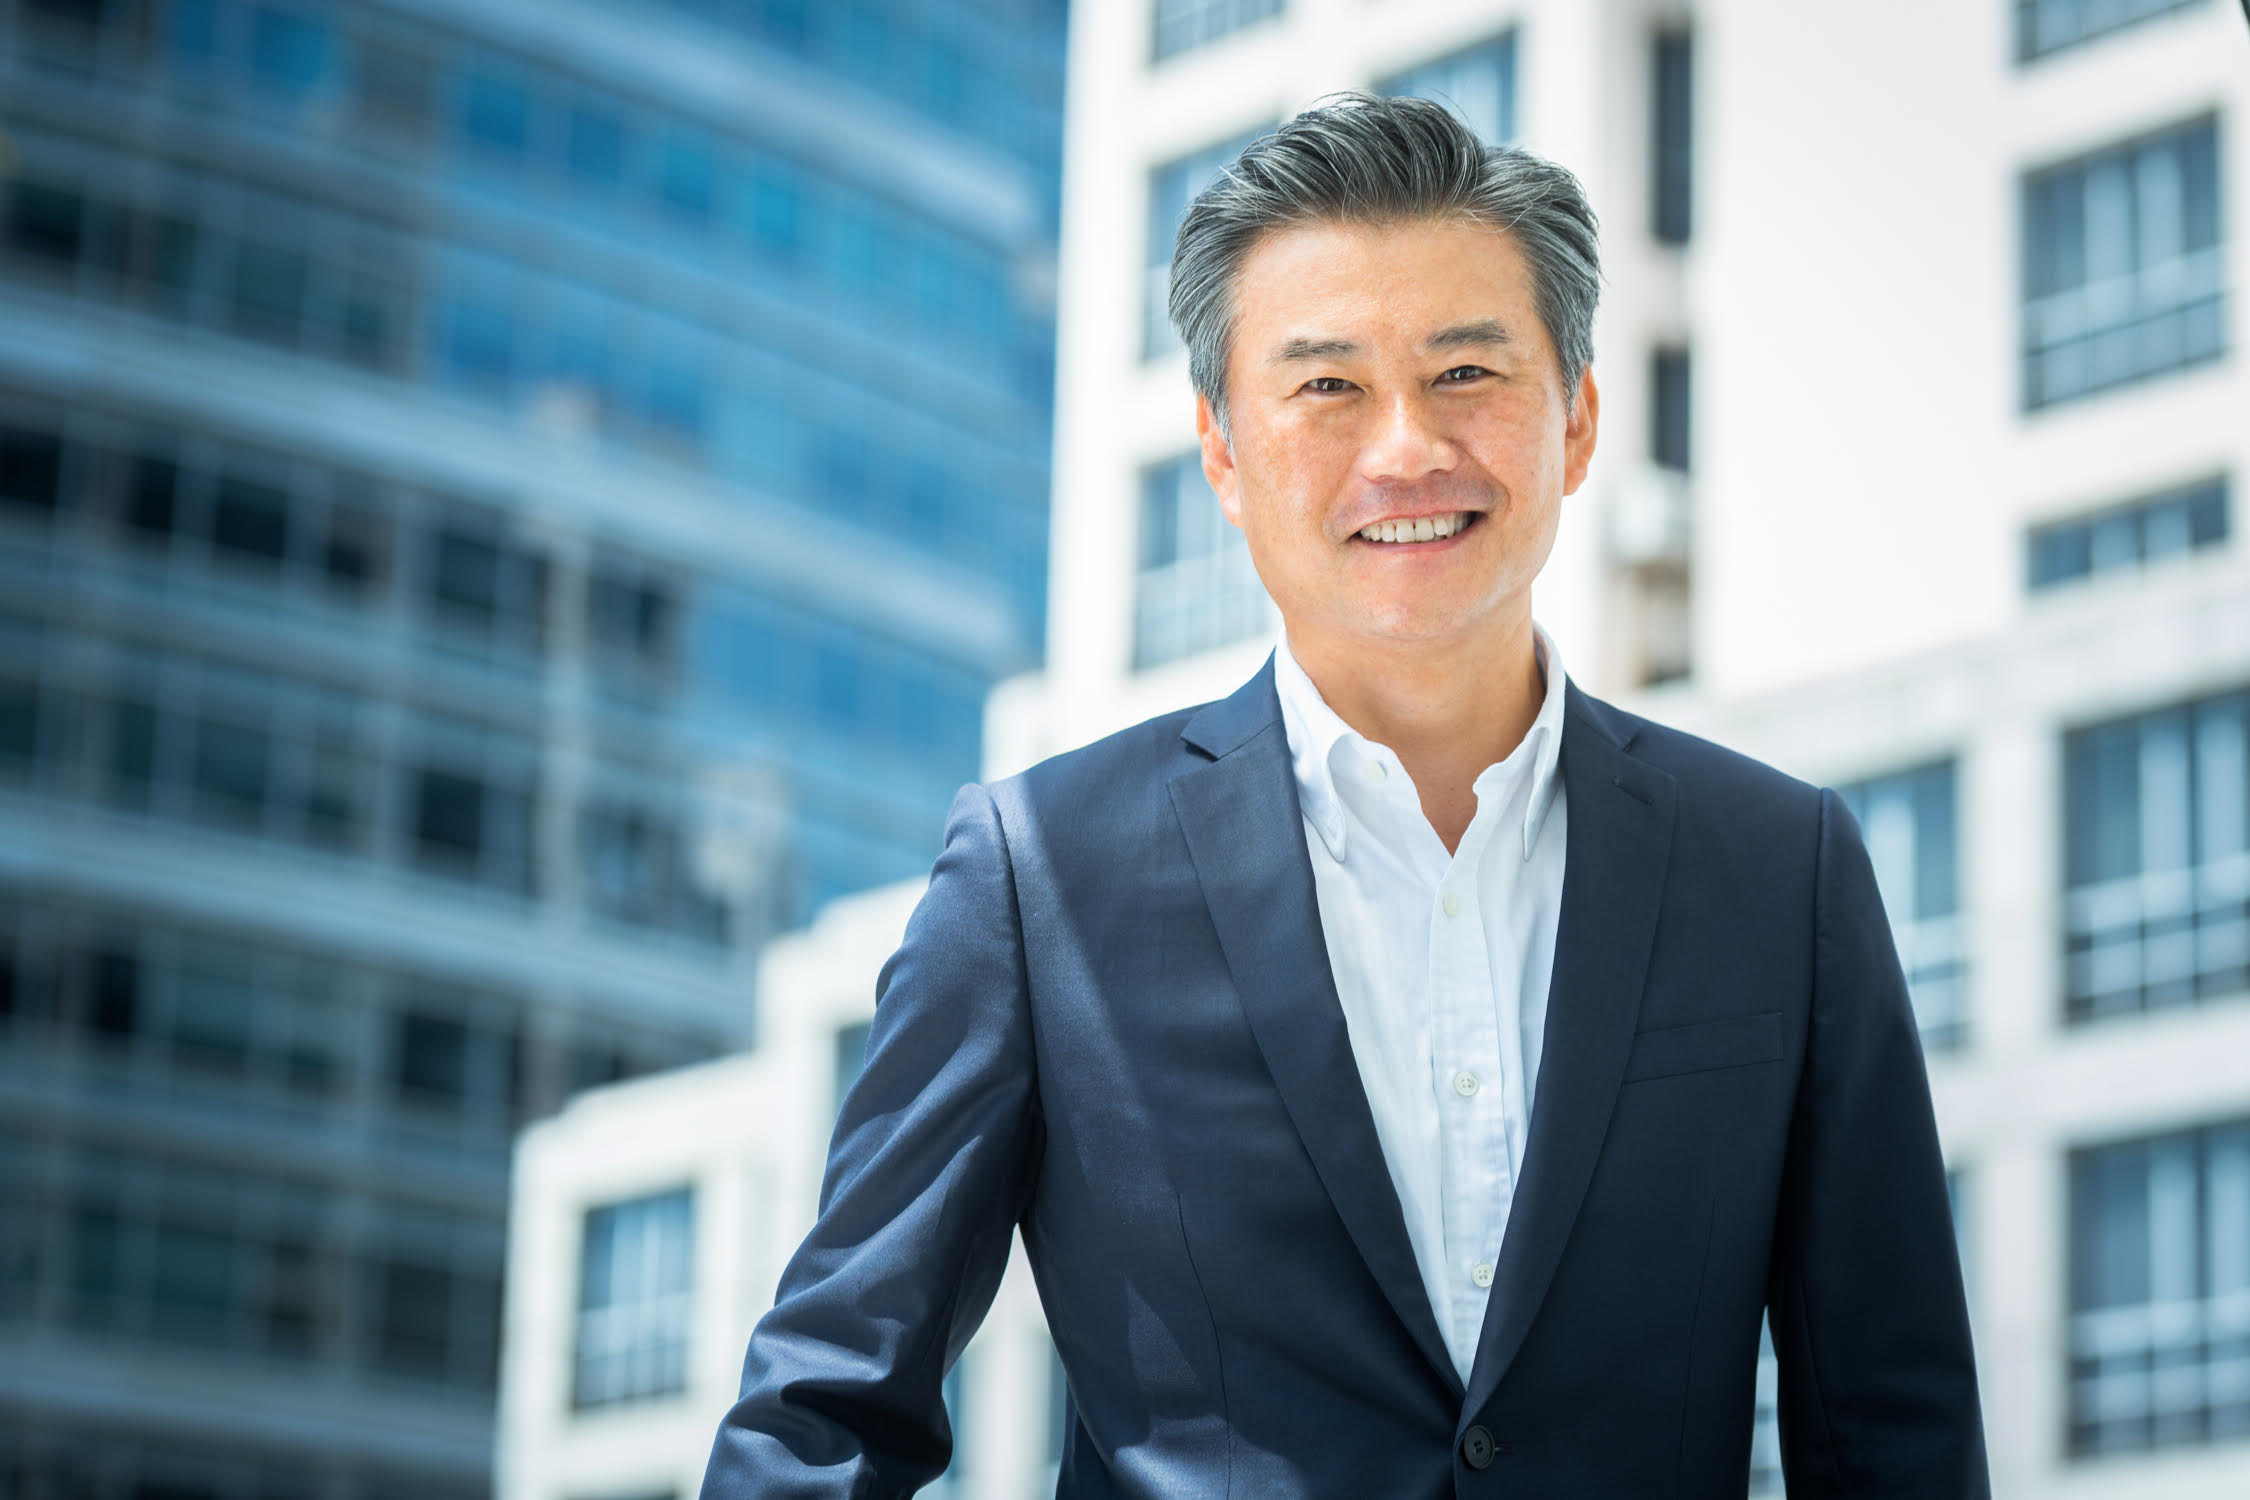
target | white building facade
[
  {"x": 1925, "y": 431},
  {"x": 651, "y": 1224}
]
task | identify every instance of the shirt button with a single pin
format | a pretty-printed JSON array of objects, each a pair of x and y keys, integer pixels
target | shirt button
[
  {"x": 1464, "y": 1084},
  {"x": 1481, "y": 1274},
  {"x": 1376, "y": 770},
  {"x": 1452, "y": 904}
]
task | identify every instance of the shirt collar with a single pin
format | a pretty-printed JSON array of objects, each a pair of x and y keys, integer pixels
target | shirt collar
[{"x": 1315, "y": 732}]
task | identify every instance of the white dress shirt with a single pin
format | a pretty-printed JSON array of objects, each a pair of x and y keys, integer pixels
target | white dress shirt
[{"x": 1442, "y": 963}]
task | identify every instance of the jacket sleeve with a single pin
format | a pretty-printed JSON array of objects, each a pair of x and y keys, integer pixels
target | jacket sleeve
[
  {"x": 932, "y": 1157},
  {"x": 1878, "y": 1389}
]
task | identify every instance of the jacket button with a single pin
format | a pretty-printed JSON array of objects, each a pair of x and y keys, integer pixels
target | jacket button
[{"x": 1476, "y": 1447}]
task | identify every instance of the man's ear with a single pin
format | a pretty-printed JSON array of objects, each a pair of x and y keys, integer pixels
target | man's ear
[
  {"x": 1218, "y": 461},
  {"x": 1578, "y": 432}
]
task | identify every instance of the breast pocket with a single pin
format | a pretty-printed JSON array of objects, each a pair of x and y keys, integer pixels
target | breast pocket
[{"x": 1733, "y": 1042}]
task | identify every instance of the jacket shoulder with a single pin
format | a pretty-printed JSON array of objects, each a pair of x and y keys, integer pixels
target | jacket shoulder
[
  {"x": 1711, "y": 778},
  {"x": 1109, "y": 776}
]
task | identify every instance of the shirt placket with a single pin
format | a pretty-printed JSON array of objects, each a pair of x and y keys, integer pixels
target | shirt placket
[{"x": 1469, "y": 1080}]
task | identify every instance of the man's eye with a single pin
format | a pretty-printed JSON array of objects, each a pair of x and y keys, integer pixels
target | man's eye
[
  {"x": 1462, "y": 374},
  {"x": 1328, "y": 385}
]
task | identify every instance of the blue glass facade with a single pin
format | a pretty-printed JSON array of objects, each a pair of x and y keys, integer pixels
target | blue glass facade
[{"x": 501, "y": 508}]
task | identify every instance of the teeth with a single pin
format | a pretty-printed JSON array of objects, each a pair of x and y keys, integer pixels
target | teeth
[{"x": 1427, "y": 529}]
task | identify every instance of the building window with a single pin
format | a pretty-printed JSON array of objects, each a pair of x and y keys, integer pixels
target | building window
[
  {"x": 486, "y": 586},
  {"x": 1171, "y": 188},
  {"x": 2157, "y": 855},
  {"x": 31, "y": 468},
  {"x": 1910, "y": 823},
  {"x": 2160, "y": 1291},
  {"x": 634, "y": 1290},
  {"x": 471, "y": 803},
  {"x": 1196, "y": 588},
  {"x": 637, "y": 869},
  {"x": 2123, "y": 276},
  {"x": 1669, "y": 414},
  {"x": 1672, "y": 143},
  {"x": 2044, "y": 26},
  {"x": 1183, "y": 25},
  {"x": 2128, "y": 537},
  {"x": 1478, "y": 84}
]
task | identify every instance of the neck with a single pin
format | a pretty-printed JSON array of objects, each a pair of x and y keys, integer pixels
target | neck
[{"x": 1446, "y": 710}]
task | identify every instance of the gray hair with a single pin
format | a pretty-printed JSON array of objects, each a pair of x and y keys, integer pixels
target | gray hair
[{"x": 1359, "y": 159}]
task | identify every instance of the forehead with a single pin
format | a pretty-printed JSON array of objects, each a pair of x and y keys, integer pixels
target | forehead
[{"x": 1380, "y": 278}]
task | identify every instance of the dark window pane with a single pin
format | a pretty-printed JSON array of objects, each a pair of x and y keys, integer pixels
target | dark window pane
[
  {"x": 774, "y": 203},
  {"x": 47, "y": 223},
  {"x": 193, "y": 1286},
  {"x": 152, "y": 496},
  {"x": 292, "y": 1310},
  {"x": 1672, "y": 391},
  {"x": 353, "y": 559},
  {"x": 594, "y": 146},
  {"x": 2147, "y": 531},
  {"x": 836, "y": 687},
  {"x": 433, "y": 1058},
  {"x": 1673, "y": 154},
  {"x": 2044, "y": 26},
  {"x": 96, "y": 1264},
  {"x": 211, "y": 1018},
  {"x": 289, "y": 53},
  {"x": 132, "y": 747},
  {"x": 269, "y": 292},
  {"x": 466, "y": 576},
  {"x": 2123, "y": 276},
  {"x": 685, "y": 187},
  {"x": 496, "y": 115},
  {"x": 2060, "y": 553},
  {"x": 2207, "y": 515},
  {"x": 173, "y": 245},
  {"x": 481, "y": 344},
  {"x": 392, "y": 87},
  {"x": 19, "y": 723},
  {"x": 449, "y": 813},
  {"x": 84, "y": 16},
  {"x": 230, "y": 768},
  {"x": 371, "y": 320},
  {"x": 1160, "y": 518},
  {"x": 251, "y": 519},
  {"x": 113, "y": 999},
  {"x": 30, "y": 468},
  {"x": 416, "y": 1314}
]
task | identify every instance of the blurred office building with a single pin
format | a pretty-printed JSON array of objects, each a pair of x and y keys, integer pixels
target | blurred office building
[
  {"x": 503, "y": 507},
  {"x": 1923, "y": 445},
  {"x": 652, "y": 1222}
]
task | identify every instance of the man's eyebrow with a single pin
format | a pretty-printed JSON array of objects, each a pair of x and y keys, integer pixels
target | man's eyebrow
[
  {"x": 1485, "y": 333},
  {"x": 1302, "y": 348}
]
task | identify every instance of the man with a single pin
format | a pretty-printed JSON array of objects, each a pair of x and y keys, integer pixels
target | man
[{"x": 1411, "y": 1077}]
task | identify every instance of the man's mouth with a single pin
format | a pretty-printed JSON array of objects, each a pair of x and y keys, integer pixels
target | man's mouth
[{"x": 1421, "y": 529}]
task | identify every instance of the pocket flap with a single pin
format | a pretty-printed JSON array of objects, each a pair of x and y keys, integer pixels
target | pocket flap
[{"x": 1704, "y": 1045}]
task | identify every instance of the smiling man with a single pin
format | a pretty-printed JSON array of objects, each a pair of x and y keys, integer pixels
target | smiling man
[{"x": 1411, "y": 1077}]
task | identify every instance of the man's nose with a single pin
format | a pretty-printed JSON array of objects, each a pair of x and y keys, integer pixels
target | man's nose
[{"x": 1407, "y": 442}]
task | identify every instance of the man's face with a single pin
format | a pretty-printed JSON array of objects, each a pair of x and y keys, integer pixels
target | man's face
[{"x": 1395, "y": 381}]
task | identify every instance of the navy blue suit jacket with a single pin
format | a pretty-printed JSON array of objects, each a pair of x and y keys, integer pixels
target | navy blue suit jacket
[{"x": 1112, "y": 1025}]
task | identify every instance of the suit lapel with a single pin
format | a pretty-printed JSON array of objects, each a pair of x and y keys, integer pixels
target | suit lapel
[
  {"x": 1246, "y": 836},
  {"x": 1620, "y": 838}
]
